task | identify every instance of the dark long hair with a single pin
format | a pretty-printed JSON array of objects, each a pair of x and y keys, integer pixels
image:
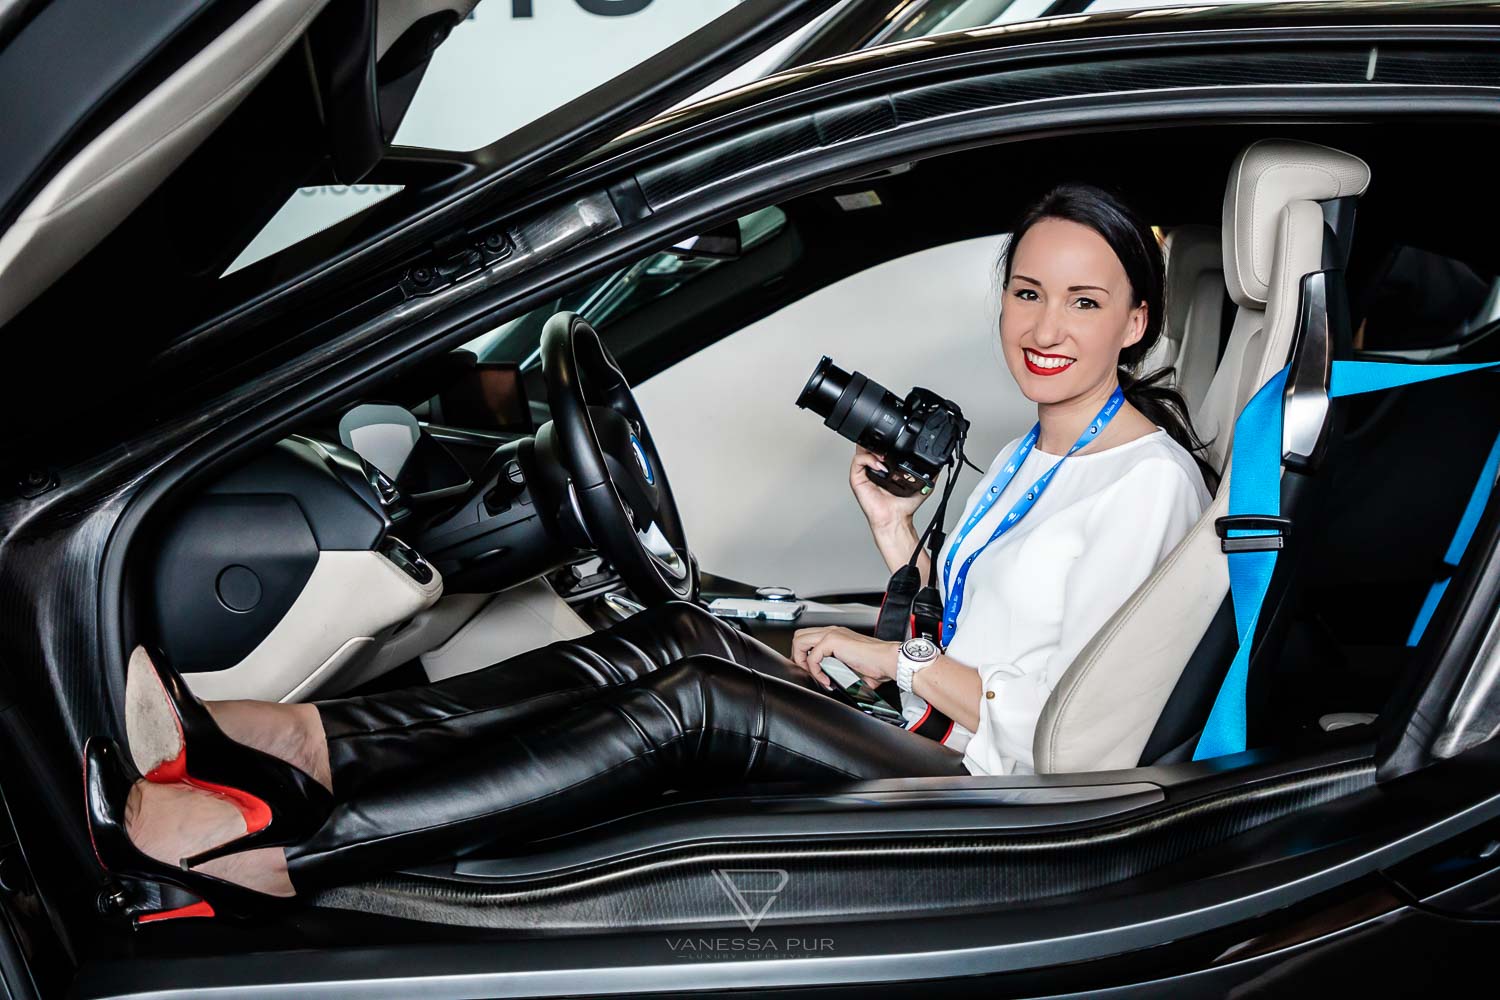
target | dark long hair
[{"x": 1134, "y": 243}]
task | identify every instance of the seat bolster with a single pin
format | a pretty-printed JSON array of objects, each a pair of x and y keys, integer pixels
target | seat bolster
[
  {"x": 1260, "y": 343},
  {"x": 1103, "y": 710},
  {"x": 1265, "y": 177},
  {"x": 1197, "y": 358},
  {"x": 1214, "y": 419},
  {"x": 1191, "y": 251},
  {"x": 1299, "y": 252},
  {"x": 1193, "y": 257}
]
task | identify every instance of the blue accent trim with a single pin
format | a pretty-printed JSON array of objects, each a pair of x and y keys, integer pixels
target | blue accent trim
[
  {"x": 1255, "y": 488},
  {"x": 1465, "y": 531},
  {"x": 640, "y": 456}
]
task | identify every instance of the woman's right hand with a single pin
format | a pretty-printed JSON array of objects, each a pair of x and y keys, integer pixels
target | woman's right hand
[{"x": 882, "y": 508}]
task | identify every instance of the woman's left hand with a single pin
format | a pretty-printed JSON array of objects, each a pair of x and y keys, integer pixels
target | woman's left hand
[{"x": 872, "y": 659}]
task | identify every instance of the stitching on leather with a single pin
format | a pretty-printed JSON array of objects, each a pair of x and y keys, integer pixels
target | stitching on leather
[
  {"x": 1234, "y": 216},
  {"x": 639, "y": 729},
  {"x": 651, "y": 661},
  {"x": 759, "y": 737},
  {"x": 311, "y": 859},
  {"x": 583, "y": 652},
  {"x": 1254, "y": 206},
  {"x": 1268, "y": 352},
  {"x": 408, "y": 726},
  {"x": 821, "y": 763},
  {"x": 302, "y": 859},
  {"x": 648, "y": 692}
]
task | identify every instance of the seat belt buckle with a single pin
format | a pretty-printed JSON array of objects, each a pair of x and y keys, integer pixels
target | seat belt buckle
[{"x": 1251, "y": 522}]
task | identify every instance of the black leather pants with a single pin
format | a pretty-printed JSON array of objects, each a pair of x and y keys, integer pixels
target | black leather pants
[{"x": 575, "y": 731}]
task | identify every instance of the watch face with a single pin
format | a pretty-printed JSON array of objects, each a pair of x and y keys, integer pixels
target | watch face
[{"x": 919, "y": 649}]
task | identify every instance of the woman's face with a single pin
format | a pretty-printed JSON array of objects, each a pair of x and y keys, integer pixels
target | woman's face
[{"x": 1066, "y": 313}]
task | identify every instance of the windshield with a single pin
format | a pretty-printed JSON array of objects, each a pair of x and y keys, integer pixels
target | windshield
[{"x": 610, "y": 299}]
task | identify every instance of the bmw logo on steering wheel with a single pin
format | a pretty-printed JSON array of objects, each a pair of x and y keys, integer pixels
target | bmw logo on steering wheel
[{"x": 642, "y": 460}]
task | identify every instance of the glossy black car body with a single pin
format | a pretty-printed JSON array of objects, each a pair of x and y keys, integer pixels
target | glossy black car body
[{"x": 1368, "y": 863}]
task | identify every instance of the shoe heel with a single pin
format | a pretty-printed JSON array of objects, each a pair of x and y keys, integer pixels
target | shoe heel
[
  {"x": 109, "y": 776},
  {"x": 280, "y": 804},
  {"x": 198, "y": 909}
]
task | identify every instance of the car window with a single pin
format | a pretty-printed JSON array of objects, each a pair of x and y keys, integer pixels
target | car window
[
  {"x": 618, "y": 295},
  {"x": 513, "y": 61},
  {"x": 507, "y": 64},
  {"x": 924, "y": 318},
  {"x": 1421, "y": 300},
  {"x": 311, "y": 210}
]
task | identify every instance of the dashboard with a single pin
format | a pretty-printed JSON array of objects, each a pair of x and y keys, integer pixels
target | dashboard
[
  {"x": 286, "y": 578},
  {"x": 283, "y": 575}
]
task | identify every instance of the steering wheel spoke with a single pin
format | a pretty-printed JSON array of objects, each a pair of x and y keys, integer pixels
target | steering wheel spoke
[{"x": 662, "y": 552}]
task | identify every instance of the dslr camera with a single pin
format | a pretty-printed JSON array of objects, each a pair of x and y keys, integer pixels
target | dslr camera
[{"x": 917, "y": 436}]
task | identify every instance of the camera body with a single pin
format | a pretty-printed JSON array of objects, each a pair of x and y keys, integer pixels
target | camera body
[{"x": 917, "y": 435}]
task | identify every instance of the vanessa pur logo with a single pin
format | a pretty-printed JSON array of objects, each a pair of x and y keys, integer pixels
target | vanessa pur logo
[{"x": 752, "y": 892}]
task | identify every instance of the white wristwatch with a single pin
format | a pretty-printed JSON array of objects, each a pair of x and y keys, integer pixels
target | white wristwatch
[{"x": 914, "y": 655}]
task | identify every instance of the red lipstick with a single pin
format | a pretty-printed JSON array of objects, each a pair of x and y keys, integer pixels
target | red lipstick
[{"x": 1038, "y": 370}]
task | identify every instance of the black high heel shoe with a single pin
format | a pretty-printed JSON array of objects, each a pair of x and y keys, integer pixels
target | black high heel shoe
[
  {"x": 108, "y": 776},
  {"x": 281, "y": 804}
]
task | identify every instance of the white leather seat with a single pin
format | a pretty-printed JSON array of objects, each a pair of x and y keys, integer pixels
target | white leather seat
[
  {"x": 1106, "y": 705},
  {"x": 1195, "y": 306}
]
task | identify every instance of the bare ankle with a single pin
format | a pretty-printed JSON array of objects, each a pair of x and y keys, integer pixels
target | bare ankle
[
  {"x": 314, "y": 745},
  {"x": 293, "y": 733},
  {"x": 263, "y": 870}
]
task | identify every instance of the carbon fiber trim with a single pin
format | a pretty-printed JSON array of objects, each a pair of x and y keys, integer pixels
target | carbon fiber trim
[
  {"x": 1016, "y": 87},
  {"x": 872, "y": 877}
]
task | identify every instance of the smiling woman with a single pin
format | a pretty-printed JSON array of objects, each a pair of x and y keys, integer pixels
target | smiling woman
[
  {"x": 1094, "y": 332},
  {"x": 1082, "y": 298}
]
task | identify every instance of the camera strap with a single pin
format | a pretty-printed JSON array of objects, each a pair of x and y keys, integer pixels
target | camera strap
[
  {"x": 1021, "y": 508},
  {"x": 902, "y": 614},
  {"x": 894, "y": 622},
  {"x": 911, "y": 609}
]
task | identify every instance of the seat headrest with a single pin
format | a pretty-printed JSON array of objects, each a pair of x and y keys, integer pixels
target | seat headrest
[
  {"x": 1191, "y": 251},
  {"x": 1267, "y": 176}
]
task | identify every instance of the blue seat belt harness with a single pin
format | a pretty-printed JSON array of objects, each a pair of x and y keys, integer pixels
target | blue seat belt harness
[
  {"x": 1461, "y": 536},
  {"x": 1252, "y": 533}
]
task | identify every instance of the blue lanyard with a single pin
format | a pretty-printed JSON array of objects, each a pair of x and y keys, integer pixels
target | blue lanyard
[{"x": 1023, "y": 506}]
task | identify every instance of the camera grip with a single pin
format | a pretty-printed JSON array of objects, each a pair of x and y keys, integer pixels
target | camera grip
[{"x": 899, "y": 483}]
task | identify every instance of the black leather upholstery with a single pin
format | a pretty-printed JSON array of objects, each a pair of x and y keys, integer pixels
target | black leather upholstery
[{"x": 567, "y": 734}]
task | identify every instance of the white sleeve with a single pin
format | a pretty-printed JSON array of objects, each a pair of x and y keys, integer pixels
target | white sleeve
[{"x": 1134, "y": 524}]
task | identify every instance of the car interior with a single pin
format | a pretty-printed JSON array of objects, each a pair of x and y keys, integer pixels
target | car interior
[{"x": 429, "y": 530}]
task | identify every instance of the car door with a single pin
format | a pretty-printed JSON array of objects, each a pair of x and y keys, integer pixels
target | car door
[{"x": 107, "y": 211}]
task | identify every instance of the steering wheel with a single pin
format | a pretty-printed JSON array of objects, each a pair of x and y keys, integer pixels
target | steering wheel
[{"x": 618, "y": 485}]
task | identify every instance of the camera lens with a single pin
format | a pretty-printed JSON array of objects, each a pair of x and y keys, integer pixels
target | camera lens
[
  {"x": 855, "y": 407},
  {"x": 824, "y": 387}
]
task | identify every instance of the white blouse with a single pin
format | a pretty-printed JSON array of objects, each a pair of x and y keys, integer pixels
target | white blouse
[{"x": 1036, "y": 596}]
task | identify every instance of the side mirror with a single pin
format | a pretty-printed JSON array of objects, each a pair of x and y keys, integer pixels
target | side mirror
[{"x": 720, "y": 243}]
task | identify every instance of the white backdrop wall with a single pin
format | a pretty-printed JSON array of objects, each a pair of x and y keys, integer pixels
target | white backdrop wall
[
  {"x": 510, "y": 63},
  {"x": 762, "y": 485}
]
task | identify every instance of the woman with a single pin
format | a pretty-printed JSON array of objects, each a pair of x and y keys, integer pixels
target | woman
[{"x": 246, "y": 803}]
